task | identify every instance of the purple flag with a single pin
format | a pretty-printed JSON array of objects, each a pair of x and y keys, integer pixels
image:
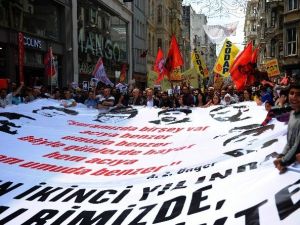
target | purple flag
[{"x": 100, "y": 74}]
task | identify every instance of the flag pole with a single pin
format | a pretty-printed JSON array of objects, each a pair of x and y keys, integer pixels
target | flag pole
[{"x": 51, "y": 55}]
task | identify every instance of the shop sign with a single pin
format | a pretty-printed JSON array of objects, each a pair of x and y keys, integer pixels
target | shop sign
[
  {"x": 32, "y": 42},
  {"x": 97, "y": 45},
  {"x": 85, "y": 68}
]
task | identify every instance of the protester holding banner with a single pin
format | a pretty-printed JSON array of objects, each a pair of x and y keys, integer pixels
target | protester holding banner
[
  {"x": 291, "y": 150},
  {"x": 247, "y": 95},
  {"x": 165, "y": 102},
  {"x": 91, "y": 101},
  {"x": 232, "y": 91},
  {"x": 200, "y": 100},
  {"x": 3, "y": 99},
  {"x": 187, "y": 97},
  {"x": 227, "y": 100},
  {"x": 106, "y": 100},
  {"x": 151, "y": 101},
  {"x": 15, "y": 96},
  {"x": 136, "y": 98},
  {"x": 56, "y": 94},
  {"x": 282, "y": 100},
  {"x": 216, "y": 100},
  {"x": 68, "y": 101}
]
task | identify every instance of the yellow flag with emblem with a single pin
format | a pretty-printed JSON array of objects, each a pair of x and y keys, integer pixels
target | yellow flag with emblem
[
  {"x": 226, "y": 58},
  {"x": 199, "y": 64},
  {"x": 191, "y": 77}
]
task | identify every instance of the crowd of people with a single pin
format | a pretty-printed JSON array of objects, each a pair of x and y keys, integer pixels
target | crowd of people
[
  {"x": 279, "y": 98},
  {"x": 102, "y": 97}
]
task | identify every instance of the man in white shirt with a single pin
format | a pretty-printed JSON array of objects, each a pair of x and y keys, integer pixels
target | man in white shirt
[
  {"x": 151, "y": 101},
  {"x": 106, "y": 100}
]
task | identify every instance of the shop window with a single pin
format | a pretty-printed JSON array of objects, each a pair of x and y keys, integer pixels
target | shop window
[
  {"x": 291, "y": 41},
  {"x": 39, "y": 17},
  {"x": 33, "y": 58},
  {"x": 101, "y": 33}
]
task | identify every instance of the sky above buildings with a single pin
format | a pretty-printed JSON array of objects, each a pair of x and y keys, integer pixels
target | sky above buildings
[{"x": 221, "y": 12}]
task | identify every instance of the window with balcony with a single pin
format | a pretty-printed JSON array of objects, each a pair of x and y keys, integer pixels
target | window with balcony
[
  {"x": 159, "y": 17},
  {"x": 149, "y": 43},
  {"x": 293, "y": 4},
  {"x": 273, "y": 48},
  {"x": 291, "y": 41},
  {"x": 253, "y": 27},
  {"x": 273, "y": 18},
  {"x": 159, "y": 43},
  {"x": 281, "y": 22},
  {"x": 153, "y": 48}
]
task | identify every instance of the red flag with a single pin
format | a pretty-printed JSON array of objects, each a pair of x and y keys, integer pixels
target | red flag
[
  {"x": 123, "y": 73},
  {"x": 242, "y": 69},
  {"x": 159, "y": 65},
  {"x": 21, "y": 56},
  {"x": 255, "y": 55},
  {"x": 49, "y": 63},
  {"x": 174, "y": 58}
]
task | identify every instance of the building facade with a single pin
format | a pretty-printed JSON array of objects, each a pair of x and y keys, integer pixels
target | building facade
[
  {"x": 187, "y": 29},
  {"x": 104, "y": 31},
  {"x": 274, "y": 25},
  {"x": 164, "y": 19},
  {"x": 139, "y": 43},
  {"x": 43, "y": 24},
  {"x": 200, "y": 40},
  {"x": 291, "y": 36}
]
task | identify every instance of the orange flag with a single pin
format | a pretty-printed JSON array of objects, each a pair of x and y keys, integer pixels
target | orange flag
[
  {"x": 242, "y": 70},
  {"x": 174, "y": 58},
  {"x": 123, "y": 73},
  {"x": 255, "y": 55}
]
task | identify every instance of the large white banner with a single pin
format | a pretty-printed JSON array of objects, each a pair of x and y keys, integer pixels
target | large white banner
[
  {"x": 142, "y": 166},
  {"x": 217, "y": 33}
]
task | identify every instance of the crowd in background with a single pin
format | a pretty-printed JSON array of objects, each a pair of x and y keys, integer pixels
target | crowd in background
[{"x": 104, "y": 97}]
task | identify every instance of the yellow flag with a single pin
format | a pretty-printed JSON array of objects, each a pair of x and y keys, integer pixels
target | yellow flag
[
  {"x": 226, "y": 58},
  {"x": 175, "y": 74},
  {"x": 165, "y": 84},
  {"x": 151, "y": 78},
  {"x": 191, "y": 77},
  {"x": 272, "y": 67},
  {"x": 199, "y": 64}
]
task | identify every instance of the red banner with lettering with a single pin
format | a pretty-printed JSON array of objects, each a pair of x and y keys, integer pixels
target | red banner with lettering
[{"x": 21, "y": 56}]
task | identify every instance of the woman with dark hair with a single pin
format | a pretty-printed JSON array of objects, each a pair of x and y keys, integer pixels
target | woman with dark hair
[
  {"x": 282, "y": 100},
  {"x": 247, "y": 95},
  {"x": 200, "y": 100},
  {"x": 215, "y": 101}
]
